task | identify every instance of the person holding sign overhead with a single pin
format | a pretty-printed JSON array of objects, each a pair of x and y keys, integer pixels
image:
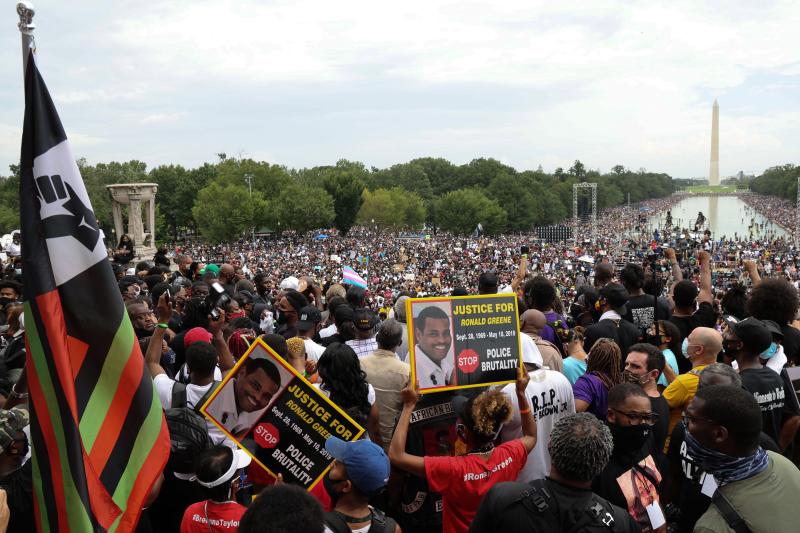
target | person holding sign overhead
[{"x": 434, "y": 363}]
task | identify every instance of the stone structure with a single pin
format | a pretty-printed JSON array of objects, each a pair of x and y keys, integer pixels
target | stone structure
[
  {"x": 133, "y": 195},
  {"x": 713, "y": 175}
]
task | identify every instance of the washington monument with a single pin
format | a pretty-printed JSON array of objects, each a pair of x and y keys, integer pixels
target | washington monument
[{"x": 713, "y": 175}]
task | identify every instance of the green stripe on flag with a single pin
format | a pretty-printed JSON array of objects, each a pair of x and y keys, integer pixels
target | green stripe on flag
[
  {"x": 145, "y": 440},
  {"x": 37, "y": 489},
  {"x": 77, "y": 515},
  {"x": 106, "y": 388}
]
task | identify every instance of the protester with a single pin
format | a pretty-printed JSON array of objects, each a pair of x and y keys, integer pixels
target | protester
[
  {"x": 388, "y": 376},
  {"x": 603, "y": 371},
  {"x": 632, "y": 479},
  {"x": 532, "y": 323},
  {"x": 611, "y": 325},
  {"x": 360, "y": 471},
  {"x": 15, "y": 469},
  {"x": 575, "y": 363},
  {"x": 580, "y": 447},
  {"x": 551, "y": 399},
  {"x": 777, "y": 300},
  {"x": 283, "y": 509},
  {"x": 364, "y": 342},
  {"x": 643, "y": 366},
  {"x": 755, "y": 486},
  {"x": 701, "y": 348},
  {"x": 217, "y": 471},
  {"x": 463, "y": 480}
]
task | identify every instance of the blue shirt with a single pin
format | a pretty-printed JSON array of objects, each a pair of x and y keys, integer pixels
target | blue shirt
[{"x": 575, "y": 368}]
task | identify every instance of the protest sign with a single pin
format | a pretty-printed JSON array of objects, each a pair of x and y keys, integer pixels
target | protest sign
[
  {"x": 463, "y": 341},
  {"x": 285, "y": 433}
]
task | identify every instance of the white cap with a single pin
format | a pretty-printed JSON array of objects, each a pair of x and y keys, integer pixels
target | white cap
[
  {"x": 240, "y": 460},
  {"x": 290, "y": 283},
  {"x": 530, "y": 352}
]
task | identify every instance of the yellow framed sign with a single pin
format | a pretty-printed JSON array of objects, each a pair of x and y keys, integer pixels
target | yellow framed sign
[
  {"x": 265, "y": 399},
  {"x": 463, "y": 341}
]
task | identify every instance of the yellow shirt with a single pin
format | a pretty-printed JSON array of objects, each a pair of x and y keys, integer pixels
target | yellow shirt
[{"x": 678, "y": 395}]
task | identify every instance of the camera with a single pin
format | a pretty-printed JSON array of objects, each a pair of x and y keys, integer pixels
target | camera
[{"x": 217, "y": 299}]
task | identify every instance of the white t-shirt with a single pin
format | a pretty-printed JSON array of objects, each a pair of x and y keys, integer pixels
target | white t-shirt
[
  {"x": 194, "y": 393},
  {"x": 359, "y": 530},
  {"x": 550, "y": 398},
  {"x": 184, "y": 373},
  {"x": 327, "y": 332},
  {"x": 313, "y": 350}
]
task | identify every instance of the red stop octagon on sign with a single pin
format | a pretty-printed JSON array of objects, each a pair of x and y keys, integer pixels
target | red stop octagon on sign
[
  {"x": 266, "y": 435},
  {"x": 467, "y": 361}
]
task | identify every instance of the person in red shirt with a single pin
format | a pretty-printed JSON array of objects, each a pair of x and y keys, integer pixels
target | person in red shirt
[
  {"x": 217, "y": 472},
  {"x": 463, "y": 480}
]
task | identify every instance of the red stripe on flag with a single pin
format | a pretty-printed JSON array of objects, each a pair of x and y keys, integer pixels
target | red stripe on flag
[
  {"x": 55, "y": 336},
  {"x": 103, "y": 506},
  {"x": 48, "y": 434},
  {"x": 77, "y": 353},
  {"x": 115, "y": 417},
  {"x": 151, "y": 469}
]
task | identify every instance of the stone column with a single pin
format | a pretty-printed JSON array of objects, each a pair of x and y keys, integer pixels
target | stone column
[{"x": 116, "y": 209}]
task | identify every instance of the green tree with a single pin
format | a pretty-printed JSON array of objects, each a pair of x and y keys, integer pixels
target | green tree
[
  {"x": 223, "y": 213},
  {"x": 303, "y": 208},
  {"x": 177, "y": 191},
  {"x": 393, "y": 208},
  {"x": 266, "y": 178},
  {"x": 346, "y": 189},
  {"x": 462, "y": 210},
  {"x": 514, "y": 194}
]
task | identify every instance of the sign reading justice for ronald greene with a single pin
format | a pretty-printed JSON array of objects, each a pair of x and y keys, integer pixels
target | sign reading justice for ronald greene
[{"x": 464, "y": 341}]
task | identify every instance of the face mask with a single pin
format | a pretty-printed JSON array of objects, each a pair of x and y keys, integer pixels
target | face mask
[
  {"x": 685, "y": 348},
  {"x": 280, "y": 317},
  {"x": 724, "y": 467},
  {"x": 629, "y": 438},
  {"x": 769, "y": 352},
  {"x": 330, "y": 488},
  {"x": 237, "y": 314},
  {"x": 5, "y": 301},
  {"x": 630, "y": 377},
  {"x": 655, "y": 340},
  {"x": 729, "y": 350}
]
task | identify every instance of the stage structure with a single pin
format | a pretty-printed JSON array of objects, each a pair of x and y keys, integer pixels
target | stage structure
[
  {"x": 593, "y": 212},
  {"x": 132, "y": 195}
]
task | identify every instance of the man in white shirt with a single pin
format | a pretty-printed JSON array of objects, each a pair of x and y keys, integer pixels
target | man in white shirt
[
  {"x": 243, "y": 399},
  {"x": 307, "y": 327},
  {"x": 432, "y": 352},
  {"x": 550, "y": 395}
]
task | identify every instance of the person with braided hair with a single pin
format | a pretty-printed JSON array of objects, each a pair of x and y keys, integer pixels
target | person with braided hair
[
  {"x": 603, "y": 371},
  {"x": 463, "y": 480}
]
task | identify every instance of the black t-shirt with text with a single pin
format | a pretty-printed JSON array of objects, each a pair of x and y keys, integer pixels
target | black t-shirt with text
[
  {"x": 641, "y": 311},
  {"x": 769, "y": 391}
]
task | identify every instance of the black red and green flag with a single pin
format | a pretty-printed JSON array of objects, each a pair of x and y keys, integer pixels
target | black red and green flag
[{"x": 98, "y": 435}]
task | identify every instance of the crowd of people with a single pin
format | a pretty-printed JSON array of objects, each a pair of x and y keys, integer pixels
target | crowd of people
[{"x": 656, "y": 392}]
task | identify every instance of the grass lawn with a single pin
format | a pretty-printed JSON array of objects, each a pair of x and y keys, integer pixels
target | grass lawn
[{"x": 711, "y": 188}]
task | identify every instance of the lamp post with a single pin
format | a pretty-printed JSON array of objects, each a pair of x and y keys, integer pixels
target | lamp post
[{"x": 249, "y": 179}]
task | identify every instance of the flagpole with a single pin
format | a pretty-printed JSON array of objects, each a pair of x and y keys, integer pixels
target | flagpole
[{"x": 26, "y": 26}]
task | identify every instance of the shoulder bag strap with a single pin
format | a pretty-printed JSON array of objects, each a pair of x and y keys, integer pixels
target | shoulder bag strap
[
  {"x": 178, "y": 395},
  {"x": 732, "y": 518},
  {"x": 206, "y": 396}
]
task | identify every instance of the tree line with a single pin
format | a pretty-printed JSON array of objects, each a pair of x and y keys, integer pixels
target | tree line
[
  {"x": 221, "y": 201},
  {"x": 778, "y": 181}
]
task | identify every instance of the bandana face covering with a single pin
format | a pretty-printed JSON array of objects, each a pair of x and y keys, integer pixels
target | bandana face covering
[{"x": 726, "y": 469}]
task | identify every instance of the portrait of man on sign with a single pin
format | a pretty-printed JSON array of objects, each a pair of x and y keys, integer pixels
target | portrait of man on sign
[{"x": 434, "y": 343}]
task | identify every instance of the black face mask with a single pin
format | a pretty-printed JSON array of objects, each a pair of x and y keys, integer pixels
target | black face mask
[
  {"x": 629, "y": 438},
  {"x": 655, "y": 340},
  {"x": 729, "y": 349},
  {"x": 280, "y": 317},
  {"x": 330, "y": 488},
  {"x": 5, "y": 301}
]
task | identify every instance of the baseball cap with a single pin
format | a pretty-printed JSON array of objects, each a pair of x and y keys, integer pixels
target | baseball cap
[
  {"x": 616, "y": 296},
  {"x": 308, "y": 317},
  {"x": 753, "y": 333},
  {"x": 11, "y": 421},
  {"x": 774, "y": 328},
  {"x": 214, "y": 269},
  {"x": 366, "y": 463},
  {"x": 290, "y": 282},
  {"x": 364, "y": 319},
  {"x": 194, "y": 335},
  {"x": 344, "y": 313}
]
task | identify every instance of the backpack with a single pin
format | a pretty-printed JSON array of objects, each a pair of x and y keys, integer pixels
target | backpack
[
  {"x": 188, "y": 431},
  {"x": 380, "y": 522},
  {"x": 599, "y": 515}
]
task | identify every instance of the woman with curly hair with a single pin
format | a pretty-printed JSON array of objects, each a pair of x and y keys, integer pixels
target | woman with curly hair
[
  {"x": 343, "y": 381},
  {"x": 603, "y": 371},
  {"x": 463, "y": 480},
  {"x": 776, "y": 299}
]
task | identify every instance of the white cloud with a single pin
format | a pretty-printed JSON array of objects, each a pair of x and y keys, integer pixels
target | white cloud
[{"x": 310, "y": 81}]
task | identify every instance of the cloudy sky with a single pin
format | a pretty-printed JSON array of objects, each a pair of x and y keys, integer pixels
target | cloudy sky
[{"x": 307, "y": 82}]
